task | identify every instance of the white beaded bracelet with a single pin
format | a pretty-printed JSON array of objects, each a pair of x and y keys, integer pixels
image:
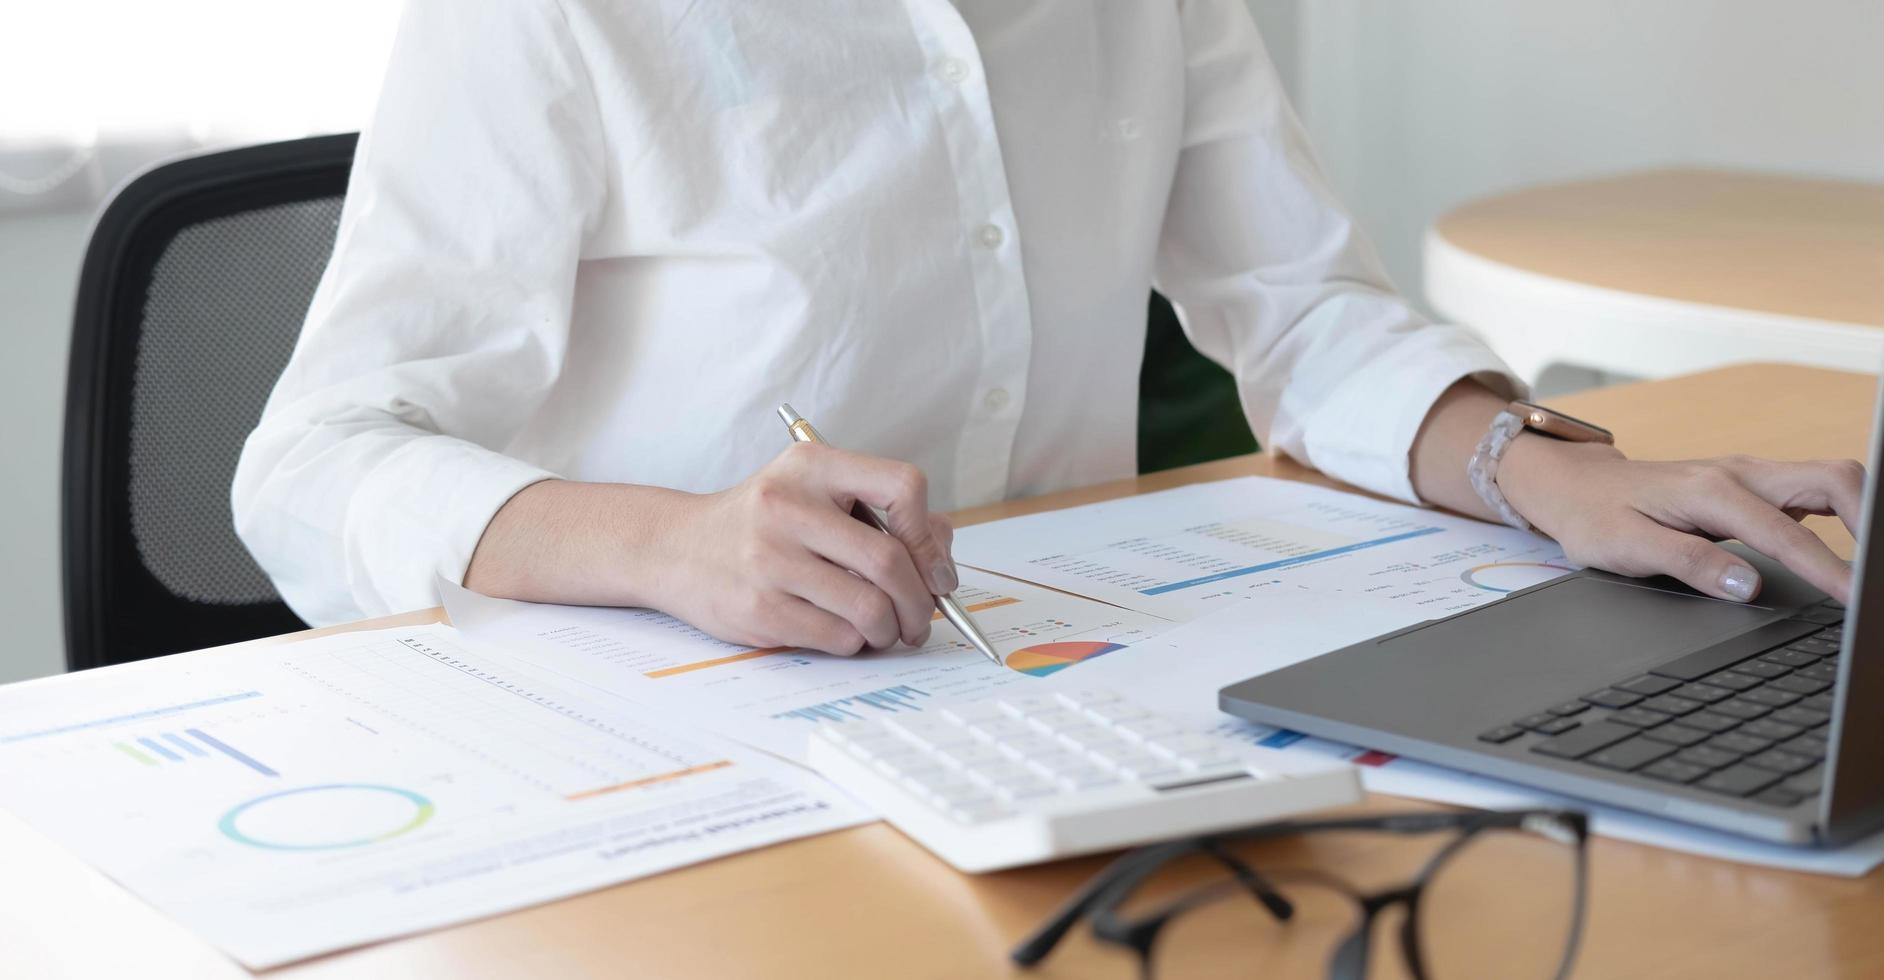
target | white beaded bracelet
[{"x": 1483, "y": 468}]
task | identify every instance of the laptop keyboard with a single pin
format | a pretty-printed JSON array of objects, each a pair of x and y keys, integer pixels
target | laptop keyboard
[{"x": 1746, "y": 718}]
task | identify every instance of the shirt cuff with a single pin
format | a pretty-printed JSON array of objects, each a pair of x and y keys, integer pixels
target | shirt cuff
[
  {"x": 420, "y": 514},
  {"x": 1364, "y": 434}
]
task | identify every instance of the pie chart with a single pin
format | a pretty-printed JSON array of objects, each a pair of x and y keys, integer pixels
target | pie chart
[{"x": 1046, "y": 658}]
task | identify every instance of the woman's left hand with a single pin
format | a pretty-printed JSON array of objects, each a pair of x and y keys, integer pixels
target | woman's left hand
[{"x": 1649, "y": 518}]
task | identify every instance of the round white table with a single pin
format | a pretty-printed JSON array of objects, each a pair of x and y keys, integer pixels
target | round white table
[{"x": 1668, "y": 272}]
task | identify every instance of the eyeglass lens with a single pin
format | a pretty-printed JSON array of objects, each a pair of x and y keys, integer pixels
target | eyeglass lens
[{"x": 1501, "y": 904}]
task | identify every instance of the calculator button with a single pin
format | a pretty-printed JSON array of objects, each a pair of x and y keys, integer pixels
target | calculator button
[
  {"x": 1088, "y": 737},
  {"x": 972, "y": 712},
  {"x": 1087, "y": 697},
  {"x": 939, "y": 790},
  {"x": 996, "y": 729},
  {"x": 1023, "y": 791},
  {"x": 1055, "y": 719},
  {"x": 1142, "y": 766},
  {"x": 1146, "y": 729},
  {"x": 1029, "y": 746},
  {"x": 1119, "y": 754},
  {"x": 1032, "y": 797},
  {"x": 1051, "y": 765},
  {"x": 1027, "y": 707},
  {"x": 1001, "y": 773},
  {"x": 1086, "y": 777},
  {"x": 971, "y": 756},
  {"x": 1160, "y": 772},
  {"x": 1115, "y": 711}
]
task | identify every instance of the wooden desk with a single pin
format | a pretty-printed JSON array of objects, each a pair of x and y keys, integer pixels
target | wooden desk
[
  {"x": 1668, "y": 271},
  {"x": 865, "y": 902}
]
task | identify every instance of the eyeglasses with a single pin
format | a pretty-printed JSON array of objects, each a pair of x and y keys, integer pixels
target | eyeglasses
[{"x": 1503, "y": 899}]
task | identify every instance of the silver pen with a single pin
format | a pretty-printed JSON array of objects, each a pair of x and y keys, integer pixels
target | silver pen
[{"x": 802, "y": 431}]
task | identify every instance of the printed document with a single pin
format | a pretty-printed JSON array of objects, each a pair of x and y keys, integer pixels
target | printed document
[
  {"x": 297, "y": 799},
  {"x": 1186, "y": 552},
  {"x": 772, "y": 698}
]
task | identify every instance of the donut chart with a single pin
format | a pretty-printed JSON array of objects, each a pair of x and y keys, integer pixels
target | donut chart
[
  {"x": 1046, "y": 658},
  {"x": 325, "y": 818},
  {"x": 1510, "y": 576}
]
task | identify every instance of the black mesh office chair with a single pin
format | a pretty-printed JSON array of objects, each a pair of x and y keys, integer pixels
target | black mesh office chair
[{"x": 192, "y": 293}]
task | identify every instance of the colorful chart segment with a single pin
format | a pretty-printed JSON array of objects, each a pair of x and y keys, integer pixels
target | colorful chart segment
[
  {"x": 1046, "y": 658},
  {"x": 1510, "y": 576},
  {"x": 321, "y": 830}
]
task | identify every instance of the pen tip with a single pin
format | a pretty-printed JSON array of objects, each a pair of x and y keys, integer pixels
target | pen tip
[{"x": 786, "y": 413}]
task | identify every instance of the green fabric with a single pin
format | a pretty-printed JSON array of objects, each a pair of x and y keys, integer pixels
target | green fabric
[{"x": 1187, "y": 406}]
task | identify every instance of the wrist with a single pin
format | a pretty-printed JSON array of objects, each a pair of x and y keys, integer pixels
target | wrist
[
  {"x": 1537, "y": 470},
  {"x": 583, "y": 543},
  {"x": 644, "y": 560}
]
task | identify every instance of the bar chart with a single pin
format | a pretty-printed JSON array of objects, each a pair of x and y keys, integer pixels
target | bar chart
[
  {"x": 888, "y": 700},
  {"x": 190, "y": 744}
]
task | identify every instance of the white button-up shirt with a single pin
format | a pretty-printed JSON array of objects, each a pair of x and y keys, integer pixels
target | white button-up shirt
[{"x": 604, "y": 240}]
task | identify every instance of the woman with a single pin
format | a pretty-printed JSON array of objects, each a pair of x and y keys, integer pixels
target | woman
[{"x": 589, "y": 247}]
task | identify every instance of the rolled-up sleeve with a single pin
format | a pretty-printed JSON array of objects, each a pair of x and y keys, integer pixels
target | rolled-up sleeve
[
  {"x": 442, "y": 318},
  {"x": 1272, "y": 279}
]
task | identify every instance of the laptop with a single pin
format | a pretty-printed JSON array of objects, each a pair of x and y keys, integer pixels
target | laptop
[{"x": 1764, "y": 720}]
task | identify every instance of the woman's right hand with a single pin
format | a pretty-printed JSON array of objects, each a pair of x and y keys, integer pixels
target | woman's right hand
[{"x": 778, "y": 560}]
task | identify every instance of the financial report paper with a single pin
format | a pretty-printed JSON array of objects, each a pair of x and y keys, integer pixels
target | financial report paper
[
  {"x": 1187, "y": 552},
  {"x": 292, "y": 800},
  {"x": 772, "y": 698}
]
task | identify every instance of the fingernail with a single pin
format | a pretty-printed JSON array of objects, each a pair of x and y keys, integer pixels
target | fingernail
[
  {"x": 1740, "y": 582},
  {"x": 942, "y": 576}
]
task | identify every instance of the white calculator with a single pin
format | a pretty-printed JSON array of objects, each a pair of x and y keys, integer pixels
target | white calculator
[{"x": 1009, "y": 781}]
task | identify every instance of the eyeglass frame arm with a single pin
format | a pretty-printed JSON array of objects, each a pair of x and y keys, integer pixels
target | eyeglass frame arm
[{"x": 1101, "y": 895}]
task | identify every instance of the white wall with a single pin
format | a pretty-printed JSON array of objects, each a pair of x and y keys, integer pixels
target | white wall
[
  {"x": 1417, "y": 107},
  {"x": 39, "y": 255}
]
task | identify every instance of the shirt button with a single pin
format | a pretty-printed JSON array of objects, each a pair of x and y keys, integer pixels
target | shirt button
[
  {"x": 995, "y": 399},
  {"x": 952, "y": 70},
  {"x": 990, "y": 236}
]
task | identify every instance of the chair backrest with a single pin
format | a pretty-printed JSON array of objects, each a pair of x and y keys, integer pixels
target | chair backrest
[{"x": 194, "y": 286}]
